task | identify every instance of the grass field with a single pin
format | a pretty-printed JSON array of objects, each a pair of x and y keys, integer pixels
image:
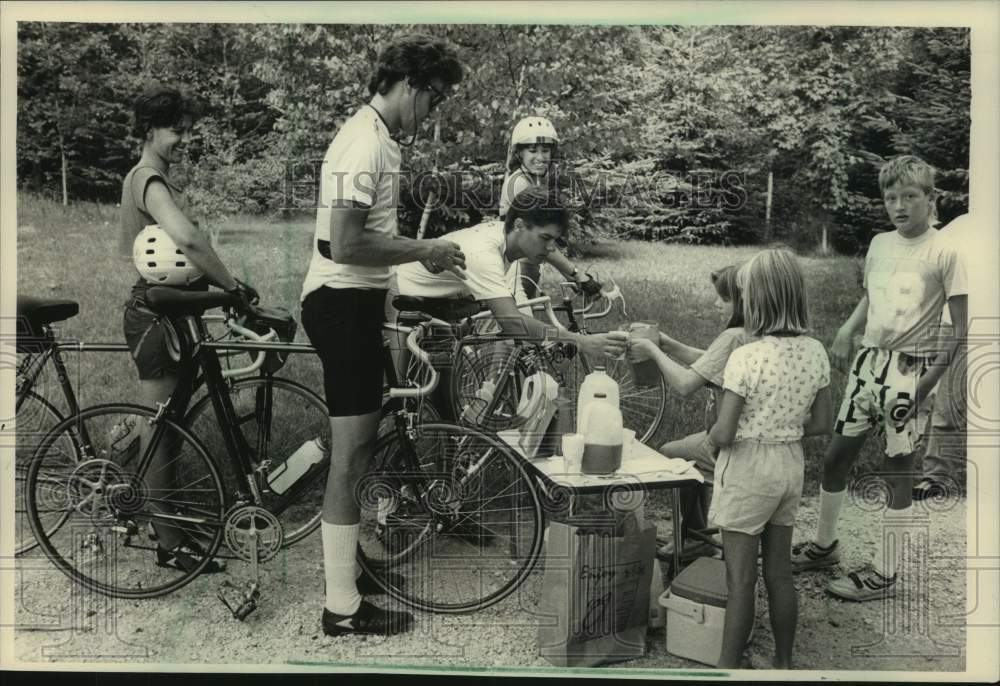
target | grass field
[{"x": 72, "y": 253}]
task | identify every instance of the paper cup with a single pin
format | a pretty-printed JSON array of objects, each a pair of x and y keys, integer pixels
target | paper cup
[
  {"x": 628, "y": 444},
  {"x": 572, "y": 450}
]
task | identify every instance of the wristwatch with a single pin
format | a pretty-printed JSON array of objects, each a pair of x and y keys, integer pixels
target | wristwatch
[{"x": 575, "y": 273}]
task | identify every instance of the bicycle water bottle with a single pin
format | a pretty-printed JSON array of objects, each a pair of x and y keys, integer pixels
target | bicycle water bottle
[
  {"x": 482, "y": 399},
  {"x": 121, "y": 436},
  {"x": 596, "y": 382},
  {"x": 298, "y": 463}
]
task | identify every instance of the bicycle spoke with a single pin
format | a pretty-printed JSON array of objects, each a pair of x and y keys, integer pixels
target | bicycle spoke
[
  {"x": 471, "y": 534},
  {"x": 101, "y": 503}
]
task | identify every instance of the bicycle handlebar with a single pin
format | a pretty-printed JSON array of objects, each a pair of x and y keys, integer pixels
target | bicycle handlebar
[
  {"x": 253, "y": 336},
  {"x": 415, "y": 334}
]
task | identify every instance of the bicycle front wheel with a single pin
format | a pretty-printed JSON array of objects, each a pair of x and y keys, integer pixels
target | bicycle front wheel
[
  {"x": 277, "y": 417},
  {"x": 113, "y": 511},
  {"x": 454, "y": 513}
]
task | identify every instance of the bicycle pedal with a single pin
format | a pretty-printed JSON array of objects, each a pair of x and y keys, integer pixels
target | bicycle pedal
[
  {"x": 245, "y": 602},
  {"x": 127, "y": 529}
]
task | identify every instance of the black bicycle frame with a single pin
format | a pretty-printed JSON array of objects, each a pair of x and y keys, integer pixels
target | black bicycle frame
[{"x": 48, "y": 349}]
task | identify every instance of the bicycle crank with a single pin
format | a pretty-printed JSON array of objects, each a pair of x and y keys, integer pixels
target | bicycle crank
[{"x": 254, "y": 535}]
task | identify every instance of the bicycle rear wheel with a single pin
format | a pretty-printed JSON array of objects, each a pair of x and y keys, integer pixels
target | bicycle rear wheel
[
  {"x": 274, "y": 430},
  {"x": 110, "y": 513},
  {"x": 455, "y": 512},
  {"x": 35, "y": 417}
]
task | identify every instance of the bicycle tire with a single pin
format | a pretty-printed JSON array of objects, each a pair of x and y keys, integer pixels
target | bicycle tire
[
  {"x": 105, "y": 545},
  {"x": 456, "y": 513},
  {"x": 471, "y": 367},
  {"x": 642, "y": 406},
  {"x": 31, "y": 426},
  {"x": 298, "y": 415}
]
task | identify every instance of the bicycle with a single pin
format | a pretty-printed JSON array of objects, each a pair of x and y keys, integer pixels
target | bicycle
[
  {"x": 35, "y": 414},
  {"x": 37, "y": 345},
  {"x": 488, "y": 371},
  {"x": 431, "y": 492}
]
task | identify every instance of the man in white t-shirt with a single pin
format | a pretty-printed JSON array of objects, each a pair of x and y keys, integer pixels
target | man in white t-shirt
[
  {"x": 532, "y": 226},
  {"x": 343, "y": 300}
]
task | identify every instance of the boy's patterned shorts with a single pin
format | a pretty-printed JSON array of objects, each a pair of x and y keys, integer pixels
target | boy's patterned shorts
[{"x": 877, "y": 378}]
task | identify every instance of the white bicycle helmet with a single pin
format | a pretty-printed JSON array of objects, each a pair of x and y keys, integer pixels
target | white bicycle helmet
[
  {"x": 531, "y": 130},
  {"x": 160, "y": 261}
]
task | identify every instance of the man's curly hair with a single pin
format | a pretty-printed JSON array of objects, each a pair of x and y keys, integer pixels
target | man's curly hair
[{"x": 417, "y": 57}]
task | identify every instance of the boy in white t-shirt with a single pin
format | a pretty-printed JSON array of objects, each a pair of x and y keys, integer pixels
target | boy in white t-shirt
[{"x": 909, "y": 275}]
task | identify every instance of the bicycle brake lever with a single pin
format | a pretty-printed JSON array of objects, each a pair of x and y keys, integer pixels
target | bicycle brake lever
[{"x": 615, "y": 293}]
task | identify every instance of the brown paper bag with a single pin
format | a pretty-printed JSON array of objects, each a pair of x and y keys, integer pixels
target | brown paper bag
[{"x": 595, "y": 593}]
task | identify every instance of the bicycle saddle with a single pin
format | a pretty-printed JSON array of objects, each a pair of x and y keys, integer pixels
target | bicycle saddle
[
  {"x": 35, "y": 313},
  {"x": 449, "y": 309},
  {"x": 173, "y": 302}
]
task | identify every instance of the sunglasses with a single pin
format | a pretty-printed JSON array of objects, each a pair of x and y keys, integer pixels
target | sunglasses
[{"x": 438, "y": 96}]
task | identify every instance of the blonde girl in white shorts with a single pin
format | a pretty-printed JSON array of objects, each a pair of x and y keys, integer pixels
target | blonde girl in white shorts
[{"x": 775, "y": 392}]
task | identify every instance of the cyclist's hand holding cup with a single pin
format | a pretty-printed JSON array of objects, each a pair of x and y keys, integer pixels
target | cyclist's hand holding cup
[
  {"x": 611, "y": 344},
  {"x": 443, "y": 254}
]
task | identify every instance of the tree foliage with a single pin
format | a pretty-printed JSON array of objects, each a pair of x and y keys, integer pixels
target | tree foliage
[{"x": 668, "y": 132}]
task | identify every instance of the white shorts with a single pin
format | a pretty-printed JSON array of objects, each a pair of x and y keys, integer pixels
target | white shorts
[
  {"x": 877, "y": 378},
  {"x": 757, "y": 484}
]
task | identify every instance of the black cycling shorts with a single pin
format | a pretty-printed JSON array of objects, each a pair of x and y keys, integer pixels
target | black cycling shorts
[
  {"x": 345, "y": 327},
  {"x": 152, "y": 341}
]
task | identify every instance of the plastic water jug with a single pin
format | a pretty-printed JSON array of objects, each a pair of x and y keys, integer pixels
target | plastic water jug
[
  {"x": 298, "y": 463},
  {"x": 602, "y": 448},
  {"x": 596, "y": 382}
]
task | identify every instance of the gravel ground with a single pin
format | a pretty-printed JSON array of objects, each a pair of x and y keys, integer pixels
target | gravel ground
[{"x": 923, "y": 629}]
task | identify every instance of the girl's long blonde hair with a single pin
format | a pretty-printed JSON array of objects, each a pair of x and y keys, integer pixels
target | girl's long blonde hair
[{"x": 774, "y": 294}]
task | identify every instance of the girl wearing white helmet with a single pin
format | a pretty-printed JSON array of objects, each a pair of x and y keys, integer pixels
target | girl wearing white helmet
[
  {"x": 534, "y": 147},
  {"x": 172, "y": 253}
]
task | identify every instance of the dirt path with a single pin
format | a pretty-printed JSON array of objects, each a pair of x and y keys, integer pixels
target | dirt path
[{"x": 923, "y": 629}]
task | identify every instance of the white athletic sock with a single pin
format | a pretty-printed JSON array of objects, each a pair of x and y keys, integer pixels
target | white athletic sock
[
  {"x": 340, "y": 544},
  {"x": 829, "y": 513},
  {"x": 890, "y": 544}
]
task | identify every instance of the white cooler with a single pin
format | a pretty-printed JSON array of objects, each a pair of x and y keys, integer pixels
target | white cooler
[{"x": 696, "y": 611}]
